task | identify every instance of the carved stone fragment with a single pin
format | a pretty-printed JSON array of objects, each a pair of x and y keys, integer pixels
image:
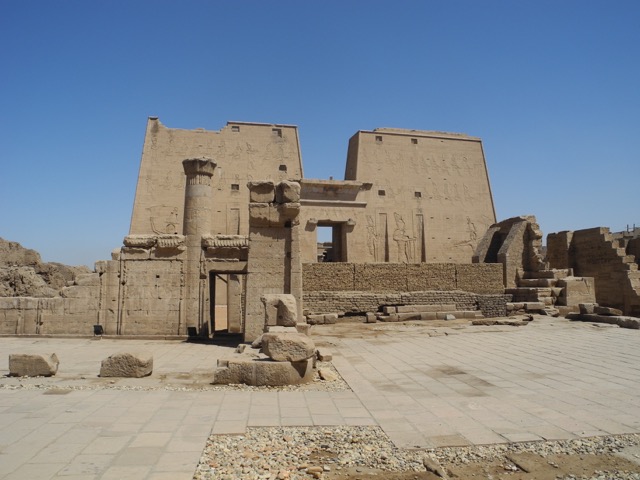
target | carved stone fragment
[
  {"x": 33, "y": 365},
  {"x": 125, "y": 364},
  {"x": 288, "y": 347}
]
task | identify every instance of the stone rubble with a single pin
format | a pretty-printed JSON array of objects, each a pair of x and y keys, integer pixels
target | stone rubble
[
  {"x": 41, "y": 383},
  {"x": 300, "y": 453}
]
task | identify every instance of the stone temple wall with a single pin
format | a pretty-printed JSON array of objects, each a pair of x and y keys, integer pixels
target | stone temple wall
[
  {"x": 400, "y": 277},
  {"x": 361, "y": 302}
]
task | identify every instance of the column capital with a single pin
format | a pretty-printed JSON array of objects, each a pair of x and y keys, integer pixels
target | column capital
[{"x": 199, "y": 166}]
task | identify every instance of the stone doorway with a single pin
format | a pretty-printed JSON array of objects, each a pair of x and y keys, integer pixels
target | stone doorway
[
  {"x": 226, "y": 302},
  {"x": 332, "y": 242}
]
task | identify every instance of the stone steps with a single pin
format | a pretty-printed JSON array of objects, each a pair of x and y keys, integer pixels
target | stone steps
[{"x": 556, "y": 273}]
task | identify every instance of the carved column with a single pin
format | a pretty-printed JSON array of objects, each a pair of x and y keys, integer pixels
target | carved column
[{"x": 197, "y": 222}]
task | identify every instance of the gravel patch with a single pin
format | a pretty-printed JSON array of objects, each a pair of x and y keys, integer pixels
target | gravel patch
[{"x": 298, "y": 453}]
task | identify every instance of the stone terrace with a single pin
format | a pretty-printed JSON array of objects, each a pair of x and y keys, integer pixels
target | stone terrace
[{"x": 425, "y": 386}]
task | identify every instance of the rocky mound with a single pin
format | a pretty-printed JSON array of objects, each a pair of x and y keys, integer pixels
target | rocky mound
[{"x": 23, "y": 274}]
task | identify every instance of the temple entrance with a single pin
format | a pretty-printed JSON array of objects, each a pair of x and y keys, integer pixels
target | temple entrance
[
  {"x": 332, "y": 242},
  {"x": 226, "y": 302}
]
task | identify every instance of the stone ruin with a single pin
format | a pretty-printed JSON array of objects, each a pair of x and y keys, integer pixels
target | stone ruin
[{"x": 224, "y": 240}]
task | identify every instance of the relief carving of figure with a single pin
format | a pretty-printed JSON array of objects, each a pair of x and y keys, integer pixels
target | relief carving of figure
[
  {"x": 164, "y": 219},
  {"x": 372, "y": 237},
  {"x": 403, "y": 241},
  {"x": 471, "y": 228}
]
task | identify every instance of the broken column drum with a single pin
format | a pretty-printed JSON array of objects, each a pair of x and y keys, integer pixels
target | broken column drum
[{"x": 197, "y": 222}]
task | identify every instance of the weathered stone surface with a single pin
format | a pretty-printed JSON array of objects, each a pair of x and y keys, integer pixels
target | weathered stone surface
[
  {"x": 33, "y": 365},
  {"x": 526, "y": 461},
  {"x": 23, "y": 282},
  {"x": 263, "y": 372},
  {"x": 303, "y": 328},
  {"x": 534, "y": 306},
  {"x": 432, "y": 465},
  {"x": 606, "y": 311},
  {"x": 280, "y": 309},
  {"x": 288, "y": 192},
  {"x": 288, "y": 347},
  {"x": 261, "y": 192},
  {"x": 127, "y": 364},
  {"x": 587, "y": 307},
  {"x": 621, "y": 321},
  {"x": 139, "y": 241},
  {"x": 327, "y": 374},
  {"x": 324, "y": 354}
]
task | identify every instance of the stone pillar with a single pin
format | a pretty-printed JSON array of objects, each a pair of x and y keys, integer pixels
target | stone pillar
[
  {"x": 197, "y": 222},
  {"x": 234, "y": 303}
]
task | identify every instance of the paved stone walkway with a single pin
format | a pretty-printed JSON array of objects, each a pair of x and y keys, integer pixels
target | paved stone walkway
[{"x": 550, "y": 380}]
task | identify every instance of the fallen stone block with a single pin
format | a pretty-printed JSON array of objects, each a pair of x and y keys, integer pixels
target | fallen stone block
[
  {"x": 331, "y": 318},
  {"x": 427, "y": 315},
  {"x": 432, "y": 465},
  {"x": 371, "y": 317},
  {"x": 449, "y": 316},
  {"x": 303, "y": 328},
  {"x": 324, "y": 354},
  {"x": 621, "y": 321},
  {"x": 315, "y": 319},
  {"x": 606, "y": 311},
  {"x": 261, "y": 372},
  {"x": 389, "y": 310},
  {"x": 408, "y": 316},
  {"x": 327, "y": 374},
  {"x": 280, "y": 309},
  {"x": 126, "y": 364},
  {"x": 586, "y": 308},
  {"x": 393, "y": 317},
  {"x": 33, "y": 365},
  {"x": 287, "y": 347},
  {"x": 534, "y": 306}
]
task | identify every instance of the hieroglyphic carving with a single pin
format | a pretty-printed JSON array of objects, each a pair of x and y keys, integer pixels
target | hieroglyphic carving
[{"x": 404, "y": 242}]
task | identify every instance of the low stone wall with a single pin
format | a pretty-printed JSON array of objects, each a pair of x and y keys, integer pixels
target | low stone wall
[
  {"x": 484, "y": 278},
  {"x": 491, "y": 305}
]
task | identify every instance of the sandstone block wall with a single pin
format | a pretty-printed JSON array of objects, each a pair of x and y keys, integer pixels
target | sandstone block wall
[
  {"x": 516, "y": 244},
  {"x": 360, "y": 302},
  {"x": 429, "y": 198},
  {"x": 399, "y": 277},
  {"x": 594, "y": 252}
]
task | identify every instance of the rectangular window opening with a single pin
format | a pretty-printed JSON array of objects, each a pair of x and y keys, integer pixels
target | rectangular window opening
[
  {"x": 381, "y": 193},
  {"x": 282, "y": 168},
  {"x": 277, "y": 132},
  {"x": 414, "y": 141},
  {"x": 235, "y": 128},
  {"x": 235, "y": 186},
  {"x": 418, "y": 194},
  {"x": 378, "y": 138}
]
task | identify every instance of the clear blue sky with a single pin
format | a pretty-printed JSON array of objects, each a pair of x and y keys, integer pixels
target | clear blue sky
[{"x": 552, "y": 88}]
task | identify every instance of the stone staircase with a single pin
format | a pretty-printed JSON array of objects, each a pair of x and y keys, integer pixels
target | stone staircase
[
  {"x": 539, "y": 286},
  {"x": 550, "y": 292},
  {"x": 425, "y": 312}
]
